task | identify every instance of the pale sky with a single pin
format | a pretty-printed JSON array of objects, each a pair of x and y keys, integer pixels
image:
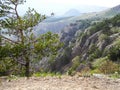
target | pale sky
[{"x": 61, "y": 6}]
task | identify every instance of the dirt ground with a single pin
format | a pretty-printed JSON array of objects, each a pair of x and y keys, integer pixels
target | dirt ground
[{"x": 63, "y": 83}]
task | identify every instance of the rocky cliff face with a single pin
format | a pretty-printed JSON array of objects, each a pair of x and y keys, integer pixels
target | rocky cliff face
[{"x": 89, "y": 44}]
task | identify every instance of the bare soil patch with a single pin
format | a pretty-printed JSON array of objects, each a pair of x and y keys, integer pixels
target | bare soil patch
[{"x": 63, "y": 83}]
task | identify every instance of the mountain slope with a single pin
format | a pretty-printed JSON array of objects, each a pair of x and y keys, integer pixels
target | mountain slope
[
  {"x": 113, "y": 11},
  {"x": 100, "y": 41},
  {"x": 85, "y": 40}
]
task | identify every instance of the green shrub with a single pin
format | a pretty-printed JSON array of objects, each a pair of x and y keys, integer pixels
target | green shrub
[
  {"x": 103, "y": 37},
  {"x": 71, "y": 72},
  {"x": 115, "y": 30},
  {"x": 115, "y": 75},
  {"x": 75, "y": 64},
  {"x": 8, "y": 67},
  {"x": 44, "y": 74},
  {"x": 98, "y": 62},
  {"x": 94, "y": 52},
  {"x": 114, "y": 52}
]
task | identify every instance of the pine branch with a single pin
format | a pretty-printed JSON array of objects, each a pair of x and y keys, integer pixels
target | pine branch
[{"x": 8, "y": 39}]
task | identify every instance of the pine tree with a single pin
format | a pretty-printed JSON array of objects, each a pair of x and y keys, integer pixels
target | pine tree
[{"x": 25, "y": 46}]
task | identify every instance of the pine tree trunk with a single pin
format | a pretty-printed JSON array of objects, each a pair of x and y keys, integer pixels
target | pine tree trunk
[{"x": 27, "y": 67}]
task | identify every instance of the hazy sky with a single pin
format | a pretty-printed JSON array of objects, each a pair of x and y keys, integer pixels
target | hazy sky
[{"x": 61, "y": 6}]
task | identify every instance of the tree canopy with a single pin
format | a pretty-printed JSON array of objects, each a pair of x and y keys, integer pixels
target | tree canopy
[{"x": 18, "y": 41}]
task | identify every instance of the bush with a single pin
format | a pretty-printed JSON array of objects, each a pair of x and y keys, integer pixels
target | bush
[
  {"x": 75, "y": 64},
  {"x": 71, "y": 72},
  {"x": 108, "y": 67},
  {"x": 98, "y": 62},
  {"x": 114, "y": 52},
  {"x": 103, "y": 37},
  {"x": 45, "y": 74},
  {"x": 86, "y": 71},
  {"x": 94, "y": 52},
  {"x": 115, "y": 75},
  {"x": 115, "y": 30},
  {"x": 7, "y": 67}
]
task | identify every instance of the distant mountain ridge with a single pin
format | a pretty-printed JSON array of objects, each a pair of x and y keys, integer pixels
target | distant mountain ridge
[
  {"x": 116, "y": 8},
  {"x": 113, "y": 11},
  {"x": 72, "y": 12},
  {"x": 56, "y": 24}
]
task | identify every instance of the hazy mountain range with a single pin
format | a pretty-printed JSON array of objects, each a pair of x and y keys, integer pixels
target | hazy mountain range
[
  {"x": 83, "y": 9},
  {"x": 72, "y": 12},
  {"x": 57, "y": 23}
]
